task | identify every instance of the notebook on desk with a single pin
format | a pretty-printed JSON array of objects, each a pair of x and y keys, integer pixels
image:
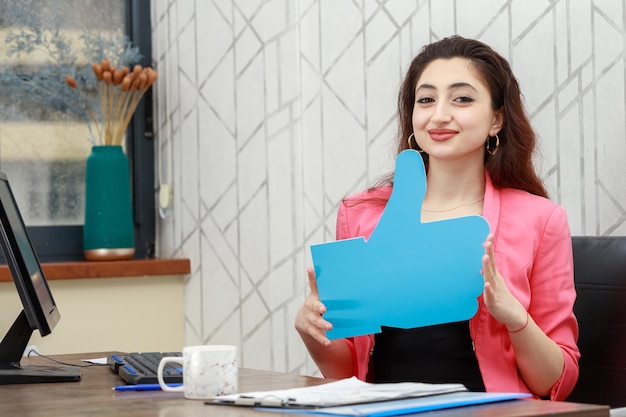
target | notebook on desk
[
  {"x": 407, "y": 405},
  {"x": 348, "y": 397}
]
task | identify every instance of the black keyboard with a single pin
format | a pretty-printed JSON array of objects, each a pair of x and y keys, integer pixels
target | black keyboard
[{"x": 141, "y": 367}]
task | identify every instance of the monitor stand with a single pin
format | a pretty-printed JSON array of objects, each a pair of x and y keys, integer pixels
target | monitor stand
[{"x": 11, "y": 350}]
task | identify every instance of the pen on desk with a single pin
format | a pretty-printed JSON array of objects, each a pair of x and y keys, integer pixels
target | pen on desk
[{"x": 142, "y": 387}]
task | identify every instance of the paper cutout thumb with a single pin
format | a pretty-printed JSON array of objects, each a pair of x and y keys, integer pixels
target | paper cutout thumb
[{"x": 408, "y": 274}]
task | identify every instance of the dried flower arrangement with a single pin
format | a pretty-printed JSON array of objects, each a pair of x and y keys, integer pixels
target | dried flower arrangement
[
  {"x": 39, "y": 91},
  {"x": 120, "y": 90}
]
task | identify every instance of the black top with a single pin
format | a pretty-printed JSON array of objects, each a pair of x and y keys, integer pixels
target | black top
[{"x": 435, "y": 354}]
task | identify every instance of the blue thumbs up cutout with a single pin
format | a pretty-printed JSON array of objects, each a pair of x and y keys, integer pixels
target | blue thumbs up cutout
[{"x": 408, "y": 273}]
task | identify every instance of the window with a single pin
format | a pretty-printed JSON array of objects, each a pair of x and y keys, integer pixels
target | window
[{"x": 43, "y": 151}]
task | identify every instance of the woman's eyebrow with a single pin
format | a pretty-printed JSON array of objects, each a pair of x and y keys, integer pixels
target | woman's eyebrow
[
  {"x": 461, "y": 85},
  {"x": 452, "y": 86},
  {"x": 425, "y": 87}
]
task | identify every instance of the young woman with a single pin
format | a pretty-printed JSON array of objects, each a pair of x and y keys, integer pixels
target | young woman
[{"x": 461, "y": 108}]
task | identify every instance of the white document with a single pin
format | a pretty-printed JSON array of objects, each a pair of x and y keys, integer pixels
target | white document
[
  {"x": 410, "y": 406},
  {"x": 343, "y": 392}
]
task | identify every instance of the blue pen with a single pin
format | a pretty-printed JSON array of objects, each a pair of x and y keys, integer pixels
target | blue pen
[{"x": 142, "y": 387}]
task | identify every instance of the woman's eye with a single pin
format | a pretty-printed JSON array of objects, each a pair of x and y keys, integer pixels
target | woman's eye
[
  {"x": 424, "y": 100},
  {"x": 464, "y": 99}
]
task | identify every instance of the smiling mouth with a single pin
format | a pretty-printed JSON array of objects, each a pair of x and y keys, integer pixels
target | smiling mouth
[{"x": 441, "y": 134}]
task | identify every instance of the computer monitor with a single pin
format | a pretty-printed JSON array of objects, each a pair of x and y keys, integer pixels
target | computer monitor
[{"x": 39, "y": 312}]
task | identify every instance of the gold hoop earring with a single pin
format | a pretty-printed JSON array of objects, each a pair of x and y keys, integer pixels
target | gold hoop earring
[
  {"x": 495, "y": 149},
  {"x": 417, "y": 148}
]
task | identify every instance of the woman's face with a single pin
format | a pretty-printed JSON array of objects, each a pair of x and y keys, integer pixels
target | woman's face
[{"x": 452, "y": 114}]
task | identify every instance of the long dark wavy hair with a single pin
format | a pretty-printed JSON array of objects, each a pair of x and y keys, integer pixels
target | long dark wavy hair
[{"x": 511, "y": 166}]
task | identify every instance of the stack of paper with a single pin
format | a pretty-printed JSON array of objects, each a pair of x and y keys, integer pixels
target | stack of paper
[
  {"x": 352, "y": 397},
  {"x": 345, "y": 391}
]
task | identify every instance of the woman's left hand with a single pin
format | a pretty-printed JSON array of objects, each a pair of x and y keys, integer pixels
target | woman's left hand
[{"x": 502, "y": 305}]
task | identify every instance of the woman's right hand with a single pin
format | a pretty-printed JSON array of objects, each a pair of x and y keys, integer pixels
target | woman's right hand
[{"x": 309, "y": 321}]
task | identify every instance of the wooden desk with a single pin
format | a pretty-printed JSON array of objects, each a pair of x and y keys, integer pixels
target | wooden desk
[{"x": 93, "y": 397}]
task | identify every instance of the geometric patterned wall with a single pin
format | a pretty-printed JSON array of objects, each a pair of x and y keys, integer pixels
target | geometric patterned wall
[{"x": 269, "y": 112}]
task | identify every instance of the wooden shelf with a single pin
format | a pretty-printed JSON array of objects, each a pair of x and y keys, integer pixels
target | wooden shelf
[{"x": 108, "y": 269}]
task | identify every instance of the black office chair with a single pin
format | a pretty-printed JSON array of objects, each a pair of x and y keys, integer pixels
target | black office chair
[{"x": 600, "y": 278}]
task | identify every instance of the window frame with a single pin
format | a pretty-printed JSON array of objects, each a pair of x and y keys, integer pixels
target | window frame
[{"x": 65, "y": 243}]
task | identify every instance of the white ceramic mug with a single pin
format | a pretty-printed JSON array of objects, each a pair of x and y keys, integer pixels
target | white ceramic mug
[{"x": 208, "y": 370}]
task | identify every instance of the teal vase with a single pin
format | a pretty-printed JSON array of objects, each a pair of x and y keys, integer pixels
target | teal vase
[{"x": 108, "y": 233}]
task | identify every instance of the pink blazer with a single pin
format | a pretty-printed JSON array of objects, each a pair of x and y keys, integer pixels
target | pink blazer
[{"x": 534, "y": 255}]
